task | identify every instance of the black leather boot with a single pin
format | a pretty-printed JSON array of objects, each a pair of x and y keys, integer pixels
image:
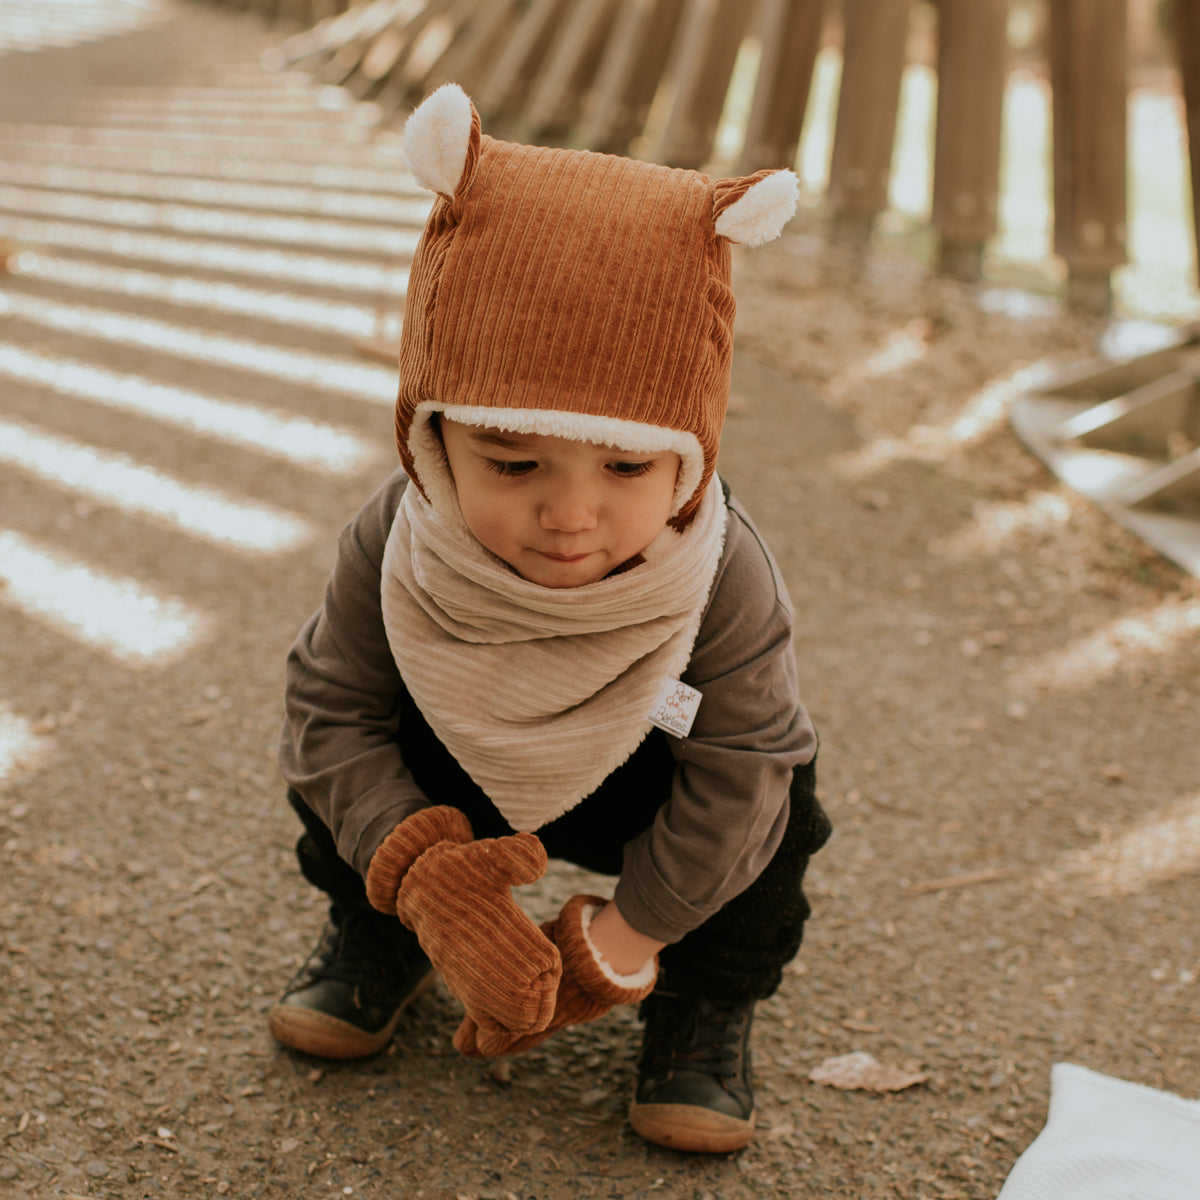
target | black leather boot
[
  {"x": 694, "y": 1077},
  {"x": 346, "y": 1000}
]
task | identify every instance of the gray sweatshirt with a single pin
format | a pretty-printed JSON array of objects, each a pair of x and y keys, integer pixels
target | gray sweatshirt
[{"x": 729, "y": 800}]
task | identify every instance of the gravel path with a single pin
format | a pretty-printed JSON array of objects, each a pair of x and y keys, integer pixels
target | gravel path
[{"x": 1005, "y": 686}]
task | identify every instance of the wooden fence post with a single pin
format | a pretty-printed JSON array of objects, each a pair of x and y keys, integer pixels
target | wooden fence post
[
  {"x": 873, "y": 57},
  {"x": 399, "y": 57},
  {"x": 1187, "y": 38},
  {"x": 1088, "y": 80},
  {"x": 709, "y": 39},
  {"x": 502, "y": 90},
  {"x": 790, "y": 32},
  {"x": 479, "y": 41},
  {"x": 972, "y": 68},
  {"x": 629, "y": 74},
  {"x": 555, "y": 100}
]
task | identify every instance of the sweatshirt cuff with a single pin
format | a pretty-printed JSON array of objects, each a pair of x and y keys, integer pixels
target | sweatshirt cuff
[
  {"x": 652, "y": 908},
  {"x": 390, "y": 804}
]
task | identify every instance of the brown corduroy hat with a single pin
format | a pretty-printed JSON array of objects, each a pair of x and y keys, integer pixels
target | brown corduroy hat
[{"x": 571, "y": 293}]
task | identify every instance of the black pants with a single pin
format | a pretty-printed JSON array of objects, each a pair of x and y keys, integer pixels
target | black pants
[{"x": 739, "y": 953}]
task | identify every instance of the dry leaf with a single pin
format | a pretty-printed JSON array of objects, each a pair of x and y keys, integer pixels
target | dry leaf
[{"x": 862, "y": 1071}]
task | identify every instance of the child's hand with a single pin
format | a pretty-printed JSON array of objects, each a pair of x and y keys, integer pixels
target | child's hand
[
  {"x": 616, "y": 942},
  {"x": 455, "y": 894},
  {"x": 587, "y": 990}
]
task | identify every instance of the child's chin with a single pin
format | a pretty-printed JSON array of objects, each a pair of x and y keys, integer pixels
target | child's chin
[{"x": 551, "y": 574}]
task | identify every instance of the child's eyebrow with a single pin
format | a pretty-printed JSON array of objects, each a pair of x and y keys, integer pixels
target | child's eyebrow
[{"x": 492, "y": 437}]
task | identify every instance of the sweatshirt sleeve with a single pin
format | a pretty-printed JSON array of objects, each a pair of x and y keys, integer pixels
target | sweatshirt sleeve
[
  {"x": 729, "y": 803},
  {"x": 338, "y": 744}
]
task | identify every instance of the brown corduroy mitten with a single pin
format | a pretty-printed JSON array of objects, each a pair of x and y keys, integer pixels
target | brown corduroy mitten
[
  {"x": 456, "y": 895},
  {"x": 586, "y": 991}
]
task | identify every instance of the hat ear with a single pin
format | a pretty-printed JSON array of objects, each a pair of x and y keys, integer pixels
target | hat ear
[
  {"x": 441, "y": 141},
  {"x": 755, "y": 209}
]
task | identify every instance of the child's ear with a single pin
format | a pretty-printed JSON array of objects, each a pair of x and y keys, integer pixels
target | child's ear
[
  {"x": 754, "y": 209},
  {"x": 441, "y": 141}
]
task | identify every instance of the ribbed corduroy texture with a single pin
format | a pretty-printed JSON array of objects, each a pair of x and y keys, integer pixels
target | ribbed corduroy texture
[
  {"x": 405, "y": 844},
  {"x": 576, "y": 282},
  {"x": 585, "y": 993},
  {"x": 457, "y": 898}
]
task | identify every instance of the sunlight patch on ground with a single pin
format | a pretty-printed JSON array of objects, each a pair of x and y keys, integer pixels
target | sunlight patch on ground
[
  {"x": 277, "y": 198},
  {"x": 116, "y": 616},
  {"x": 981, "y": 414},
  {"x": 348, "y": 320},
  {"x": 99, "y": 146},
  {"x": 384, "y": 240},
  {"x": 996, "y": 527},
  {"x": 117, "y": 481},
  {"x": 114, "y": 98},
  {"x": 318, "y": 447},
  {"x": 1164, "y": 847},
  {"x": 20, "y": 746},
  {"x": 382, "y": 279},
  {"x": 360, "y": 381},
  {"x": 43, "y": 23},
  {"x": 901, "y": 348},
  {"x": 1154, "y": 634}
]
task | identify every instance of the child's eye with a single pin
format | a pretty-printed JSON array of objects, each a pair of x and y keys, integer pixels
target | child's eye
[
  {"x": 500, "y": 467},
  {"x": 631, "y": 470}
]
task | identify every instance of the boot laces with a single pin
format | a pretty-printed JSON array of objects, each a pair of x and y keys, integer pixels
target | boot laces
[
  {"x": 697, "y": 1035},
  {"x": 354, "y": 950}
]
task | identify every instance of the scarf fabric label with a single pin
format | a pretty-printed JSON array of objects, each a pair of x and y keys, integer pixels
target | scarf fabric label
[{"x": 675, "y": 708}]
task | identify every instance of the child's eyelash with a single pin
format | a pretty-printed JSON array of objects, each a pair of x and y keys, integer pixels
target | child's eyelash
[
  {"x": 500, "y": 467},
  {"x": 623, "y": 470}
]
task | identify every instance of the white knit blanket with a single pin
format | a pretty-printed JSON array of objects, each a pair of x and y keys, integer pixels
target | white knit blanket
[{"x": 1107, "y": 1139}]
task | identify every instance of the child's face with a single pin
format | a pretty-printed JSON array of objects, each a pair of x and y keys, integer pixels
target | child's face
[{"x": 559, "y": 512}]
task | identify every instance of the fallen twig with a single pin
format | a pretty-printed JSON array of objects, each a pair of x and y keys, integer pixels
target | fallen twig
[
  {"x": 958, "y": 881},
  {"x": 149, "y": 1141}
]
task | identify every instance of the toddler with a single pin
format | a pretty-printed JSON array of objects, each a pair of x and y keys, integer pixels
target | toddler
[{"x": 554, "y": 634}]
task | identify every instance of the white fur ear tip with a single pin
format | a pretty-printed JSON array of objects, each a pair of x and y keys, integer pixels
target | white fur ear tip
[
  {"x": 761, "y": 213},
  {"x": 437, "y": 137}
]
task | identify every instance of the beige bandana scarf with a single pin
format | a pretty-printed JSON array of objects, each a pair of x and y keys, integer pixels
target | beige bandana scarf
[{"x": 540, "y": 693}]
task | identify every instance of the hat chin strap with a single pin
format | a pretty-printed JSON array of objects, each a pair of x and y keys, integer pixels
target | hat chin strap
[{"x": 429, "y": 459}]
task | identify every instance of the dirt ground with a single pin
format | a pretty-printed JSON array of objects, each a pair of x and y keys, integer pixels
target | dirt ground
[{"x": 1005, "y": 685}]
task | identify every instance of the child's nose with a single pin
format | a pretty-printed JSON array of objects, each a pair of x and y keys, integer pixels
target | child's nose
[{"x": 568, "y": 509}]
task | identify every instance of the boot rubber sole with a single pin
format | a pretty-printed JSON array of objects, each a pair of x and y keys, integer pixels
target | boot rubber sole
[
  {"x": 312, "y": 1032},
  {"x": 687, "y": 1127}
]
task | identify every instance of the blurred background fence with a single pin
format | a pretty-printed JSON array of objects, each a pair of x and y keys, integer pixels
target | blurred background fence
[{"x": 730, "y": 83}]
